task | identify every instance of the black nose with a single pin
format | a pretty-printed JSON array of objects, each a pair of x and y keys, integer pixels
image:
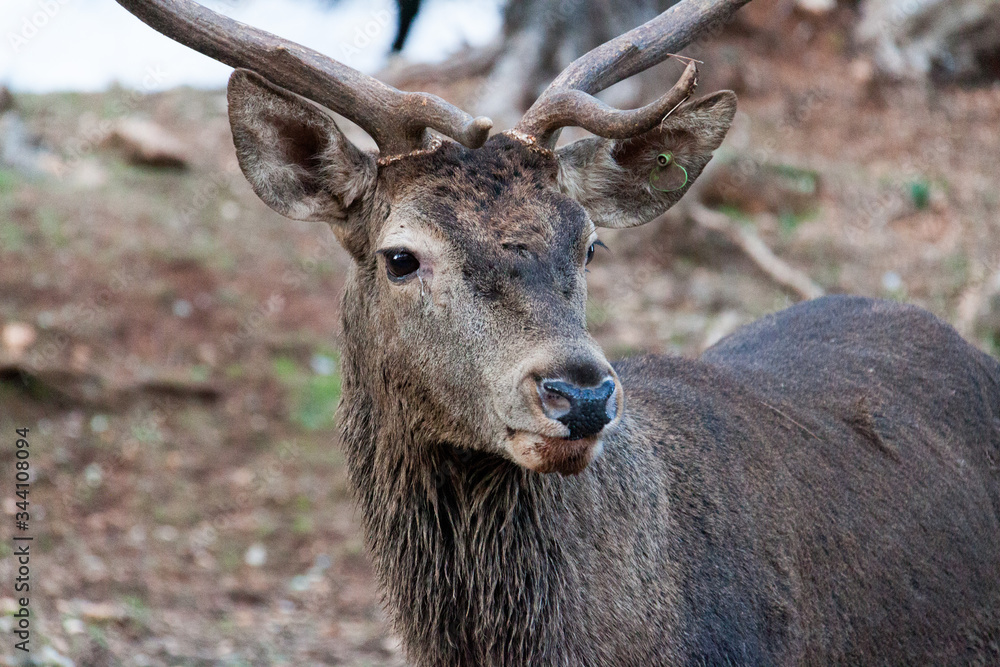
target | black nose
[{"x": 585, "y": 410}]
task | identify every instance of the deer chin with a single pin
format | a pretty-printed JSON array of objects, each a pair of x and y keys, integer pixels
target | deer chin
[{"x": 545, "y": 454}]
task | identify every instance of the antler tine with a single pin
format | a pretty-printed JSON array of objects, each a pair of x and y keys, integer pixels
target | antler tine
[
  {"x": 569, "y": 99},
  {"x": 396, "y": 120},
  {"x": 562, "y": 108}
]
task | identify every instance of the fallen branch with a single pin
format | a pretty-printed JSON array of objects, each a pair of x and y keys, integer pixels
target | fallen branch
[
  {"x": 73, "y": 387},
  {"x": 746, "y": 240},
  {"x": 467, "y": 64}
]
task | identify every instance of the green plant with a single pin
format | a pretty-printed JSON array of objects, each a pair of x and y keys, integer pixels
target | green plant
[
  {"x": 318, "y": 401},
  {"x": 12, "y": 237},
  {"x": 920, "y": 193},
  {"x": 8, "y": 179},
  {"x": 313, "y": 397}
]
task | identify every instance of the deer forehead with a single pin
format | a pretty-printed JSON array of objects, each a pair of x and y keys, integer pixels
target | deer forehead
[{"x": 499, "y": 200}]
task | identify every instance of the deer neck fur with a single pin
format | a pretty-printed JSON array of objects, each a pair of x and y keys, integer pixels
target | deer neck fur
[{"x": 465, "y": 543}]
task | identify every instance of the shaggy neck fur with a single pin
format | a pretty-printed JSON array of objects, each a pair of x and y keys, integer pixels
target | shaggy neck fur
[{"x": 465, "y": 543}]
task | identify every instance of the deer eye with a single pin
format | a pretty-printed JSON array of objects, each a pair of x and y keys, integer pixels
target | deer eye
[
  {"x": 400, "y": 263},
  {"x": 592, "y": 249}
]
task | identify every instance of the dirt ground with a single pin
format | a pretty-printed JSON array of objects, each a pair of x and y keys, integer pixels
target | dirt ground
[{"x": 188, "y": 497}]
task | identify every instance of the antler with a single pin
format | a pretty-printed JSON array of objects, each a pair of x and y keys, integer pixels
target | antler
[
  {"x": 570, "y": 100},
  {"x": 396, "y": 120}
]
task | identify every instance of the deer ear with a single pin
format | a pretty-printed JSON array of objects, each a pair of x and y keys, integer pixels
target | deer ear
[
  {"x": 296, "y": 159},
  {"x": 611, "y": 178}
]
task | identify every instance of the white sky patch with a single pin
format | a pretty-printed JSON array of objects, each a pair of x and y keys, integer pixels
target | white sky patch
[{"x": 87, "y": 45}]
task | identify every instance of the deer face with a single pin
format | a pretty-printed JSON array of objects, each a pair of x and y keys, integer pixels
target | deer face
[
  {"x": 478, "y": 270},
  {"x": 466, "y": 304}
]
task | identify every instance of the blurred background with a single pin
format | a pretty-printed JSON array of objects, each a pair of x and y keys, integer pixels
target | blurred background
[{"x": 173, "y": 344}]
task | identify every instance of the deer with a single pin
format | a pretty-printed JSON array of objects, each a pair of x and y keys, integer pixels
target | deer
[{"x": 819, "y": 487}]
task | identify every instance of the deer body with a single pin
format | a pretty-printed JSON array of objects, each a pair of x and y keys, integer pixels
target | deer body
[
  {"x": 774, "y": 502},
  {"x": 819, "y": 488}
]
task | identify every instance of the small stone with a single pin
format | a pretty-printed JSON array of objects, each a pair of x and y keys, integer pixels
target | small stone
[
  {"x": 182, "y": 308},
  {"x": 80, "y": 357},
  {"x": 50, "y": 656},
  {"x": 92, "y": 475},
  {"x": 46, "y": 319},
  {"x": 323, "y": 364},
  {"x": 207, "y": 354},
  {"x": 88, "y": 174},
  {"x": 94, "y": 569},
  {"x": 99, "y": 423},
  {"x": 137, "y": 535},
  {"x": 204, "y": 559},
  {"x": 73, "y": 425},
  {"x": 817, "y": 7},
  {"x": 300, "y": 583},
  {"x": 891, "y": 281},
  {"x": 322, "y": 563},
  {"x": 18, "y": 337},
  {"x": 145, "y": 143},
  {"x": 256, "y": 555},
  {"x": 862, "y": 70},
  {"x": 166, "y": 533},
  {"x": 74, "y": 626},
  {"x": 241, "y": 477}
]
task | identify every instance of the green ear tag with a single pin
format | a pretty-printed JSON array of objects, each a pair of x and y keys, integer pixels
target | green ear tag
[{"x": 667, "y": 175}]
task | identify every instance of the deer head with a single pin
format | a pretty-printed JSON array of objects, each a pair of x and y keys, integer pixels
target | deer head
[{"x": 464, "y": 314}]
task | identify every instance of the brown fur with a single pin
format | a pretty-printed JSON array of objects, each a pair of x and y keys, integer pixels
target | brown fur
[{"x": 820, "y": 488}]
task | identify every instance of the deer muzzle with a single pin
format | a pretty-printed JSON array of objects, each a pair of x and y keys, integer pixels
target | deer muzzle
[
  {"x": 584, "y": 410},
  {"x": 563, "y": 409}
]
